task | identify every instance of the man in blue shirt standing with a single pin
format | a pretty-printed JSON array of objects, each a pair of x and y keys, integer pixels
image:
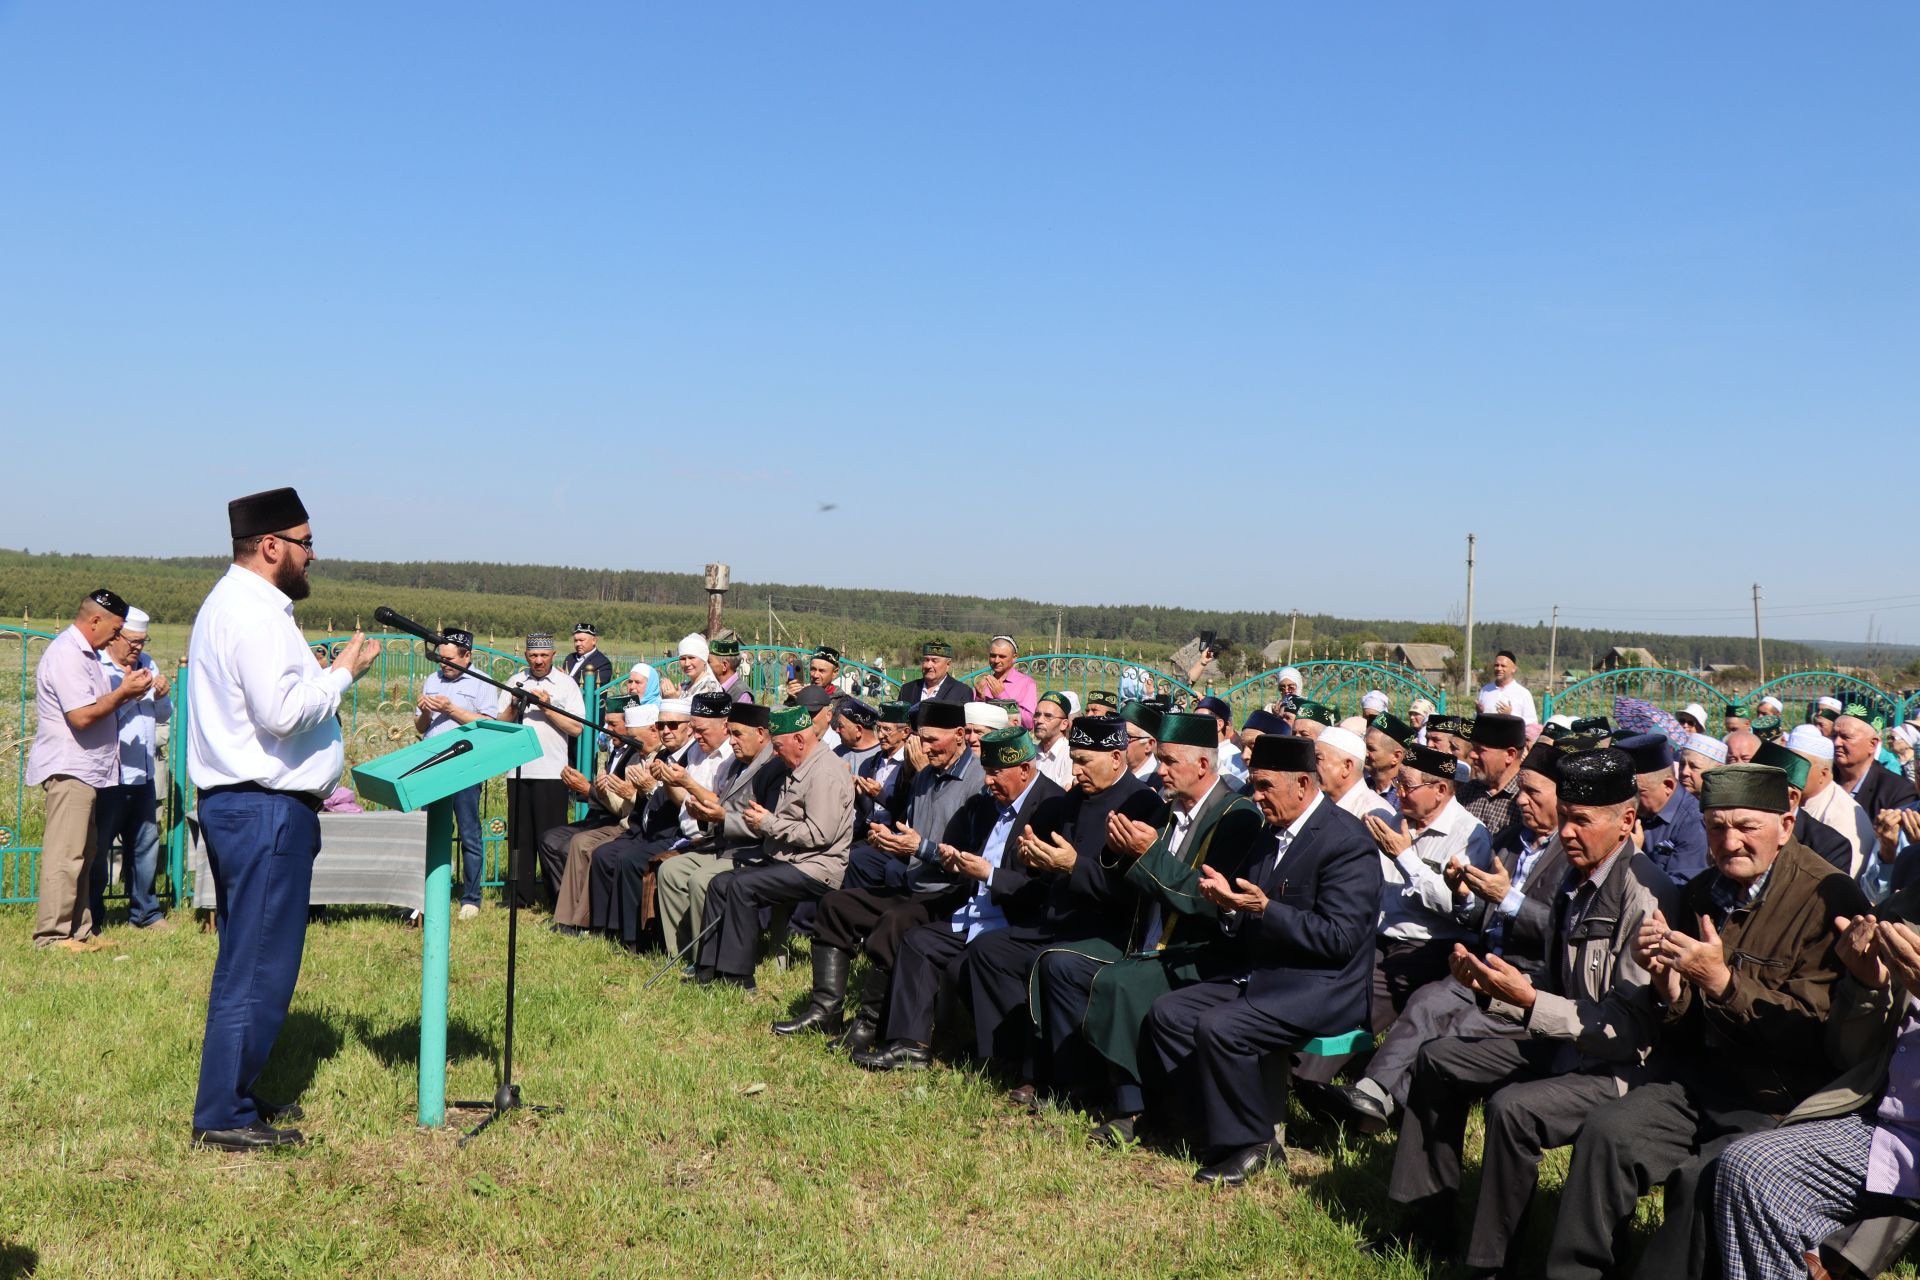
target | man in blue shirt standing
[
  {"x": 129, "y": 812},
  {"x": 453, "y": 696}
]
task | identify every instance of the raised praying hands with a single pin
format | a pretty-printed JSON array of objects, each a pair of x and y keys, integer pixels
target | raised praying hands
[
  {"x": 1055, "y": 854},
  {"x": 960, "y": 862},
  {"x": 1392, "y": 843},
  {"x": 1672, "y": 957},
  {"x": 901, "y": 841},
  {"x": 1492, "y": 977},
  {"x": 1249, "y": 898},
  {"x": 575, "y": 781},
  {"x": 1859, "y": 950},
  {"x": 1129, "y": 836}
]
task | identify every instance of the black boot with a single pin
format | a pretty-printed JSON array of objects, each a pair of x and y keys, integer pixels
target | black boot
[
  {"x": 864, "y": 1031},
  {"x": 829, "y": 993}
]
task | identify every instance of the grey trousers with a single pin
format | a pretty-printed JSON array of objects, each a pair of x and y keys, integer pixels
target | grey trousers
[
  {"x": 1437, "y": 1009},
  {"x": 1528, "y": 1111},
  {"x": 680, "y": 895}
]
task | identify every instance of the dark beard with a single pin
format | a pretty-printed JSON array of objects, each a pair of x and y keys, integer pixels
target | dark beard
[{"x": 291, "y": 581}]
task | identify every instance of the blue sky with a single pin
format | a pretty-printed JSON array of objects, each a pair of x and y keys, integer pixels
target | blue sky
[{"x": 1242, "y": 306}]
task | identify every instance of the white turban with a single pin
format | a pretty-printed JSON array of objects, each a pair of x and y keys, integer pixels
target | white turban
[
  {"x": 1707, "y": 745},
  {"x": 1290, "y": 673},
  {"x": 1346, "y": 742},
  {"x": 987, "y": 715},
  {"x": 1809, "y": 741},
  {"x": 136, "y": 622},
  {"x": 1375, "y": 700},
  {"x": 1771, "y": 705},
  {"x": 682, "y": 707},
  {"x": 694, "y": 645},
  {"x": 642, "y": 714}
]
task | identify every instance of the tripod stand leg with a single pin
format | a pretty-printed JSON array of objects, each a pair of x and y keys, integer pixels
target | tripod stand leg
[{"x": 681, "y": 958}]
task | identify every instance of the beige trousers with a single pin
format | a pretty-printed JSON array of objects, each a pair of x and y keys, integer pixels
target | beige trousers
[
  {"x": 575, "y": 904},
  {"x": 66, "y": 857}
]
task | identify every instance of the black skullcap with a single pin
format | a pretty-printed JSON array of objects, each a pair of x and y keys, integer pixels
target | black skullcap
[
  {"x": 267, "y": 512},
  {"x": 1542, "y": 759},
  {"x": 942, "y": 715},
  {"x": 457, "y": 637},
  {"x": 1494, "y": 729},
  {"x": 750, "y": 714},
  {"x": 1446, "y": 724},
  {"x": 586, "y": 628},
  {"x": 858, "y": 712},
  {"x": 812, "y": 697},
  {"x": 1432, "y": 761},
  {"x": 1098, "y": 733},
  {"x": 1284, "y": 753},
  {"x": 111, "y": 602},
  {"x": 829, "y": 653},
  {"x": 1264, "y": 721},
  {"x": 712, "y": 705},
  {"x": 1604, "y": 776},
  {"x": 1105, "y": 697},
  {"x": 1651, "y": 752}
]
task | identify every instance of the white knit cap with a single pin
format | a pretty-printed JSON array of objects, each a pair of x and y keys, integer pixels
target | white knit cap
[
  {"x": 1375, "y": 700},
  {"x": 1346, "y": 742},
  {"x": 696, "y": 645},
  {"x": 681, "y": 707},
  {"x": 640, "y": 715},
  {"x": 1809, "y": 741},
  {"x": 1707, "y": 745},
  {"x": 987, "y": 715},
  {"x": 136, "y": 621},
  {"x": 1073, "y": 700}
]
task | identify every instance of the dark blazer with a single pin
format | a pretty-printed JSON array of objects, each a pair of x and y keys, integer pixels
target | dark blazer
[
  {"x": 1309, "y": 955},
  {"x": 1823, "y": 840},
  {"x": 1882, "y": 788},
  {"x": 1020, "y": 894},
  {"x": 1093, "y": 900},
  {"x": 661, "y": 816},
  {"x": 953, "y": 690},
  {"x": 596, "y": 662},
  {"x": 1524, "y": 940}
]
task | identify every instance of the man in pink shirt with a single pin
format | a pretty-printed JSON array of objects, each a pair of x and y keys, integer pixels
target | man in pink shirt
[
  {"x": 75, "y": 752},
  {"x": 1002, "y": 681}
]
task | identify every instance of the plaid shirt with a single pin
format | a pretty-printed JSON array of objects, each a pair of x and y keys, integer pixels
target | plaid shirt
[{"x": 1498, "y": 811}]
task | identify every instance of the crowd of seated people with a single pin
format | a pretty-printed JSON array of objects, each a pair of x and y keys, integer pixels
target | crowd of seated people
[{"x": 1687, "y": 958}]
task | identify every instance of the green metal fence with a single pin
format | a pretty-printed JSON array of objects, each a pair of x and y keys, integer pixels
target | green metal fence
[
  {"x": 1081, "y": 673},
  {"x": 1668, "y": 690},
  {"x": 1339, "y": 684}
]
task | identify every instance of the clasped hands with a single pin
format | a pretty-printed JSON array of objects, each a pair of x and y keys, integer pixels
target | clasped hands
[
  {"x": 901, "y": 841},
  {"x": 1874, "y": 950}
]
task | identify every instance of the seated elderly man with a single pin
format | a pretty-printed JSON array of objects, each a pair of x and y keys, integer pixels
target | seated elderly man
[
  {"x": 1743, "y": 973},
  {"x": 879, "y": 776},
  {"x": 1094, "y": 994},
  {"x": 1310, "y": 717},
  {"x": 981, "y": 719},
  {"x": 1051, "y": 716},
  {"x": 1514, "y": 901},
  {"x": 1741, "y": 746},
  {"x": 1295, "y": 964},
  {"x": 752, "y": 777},
  {"x": 1827, "y": 803},
  {"x": 1343, "y": 755},
  {"x": 1671, "y": 829},
  {"x": 1563, "y": 1041},
  {"x": 620, "y": 877},
  {"x": 1387, "y": 738},
  {"x": 608, "y": 795},
  {"x": 620, "y": 792},
  {"x": 1701, "y": 753},
  {"x": 804, "y": 832},
  {"x": 1495, "y": 745},
  {"x": 946, "y": 770},
  {"x": 916, "y": 948}
]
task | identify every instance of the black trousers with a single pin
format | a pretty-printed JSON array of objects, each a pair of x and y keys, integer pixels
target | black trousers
[
  {"x": 874, "y": 920},
  {"x": 1399, "y": 970},
  {"x": 1205, "y": 1043},
  {"x": 926, "y": 957},
  {"x": 554, "y": 840},
  {"x": 614, "y": 890},
  {"x": 1064, "y": 981},
  {"x": 1529, "y": 1110},
  {"x": 1664, "y": 1133},
  {"x": 734, "y": 900},
  {"x": 1438, "y": 1009},
  {"x": 534, "y": 806},
  {"x": 869, "y": 868},
  {"x": 993, "y": 975}
]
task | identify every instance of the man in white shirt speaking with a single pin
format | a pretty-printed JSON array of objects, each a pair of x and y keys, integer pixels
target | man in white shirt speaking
[{"x": 264, "y": 749}]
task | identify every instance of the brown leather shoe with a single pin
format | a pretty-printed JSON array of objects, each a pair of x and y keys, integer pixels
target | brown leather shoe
[
  {"x": 74, "y": 944},
  {"x": 1024, "y": 1096},
  {"x": 1816, "y": 1269}
]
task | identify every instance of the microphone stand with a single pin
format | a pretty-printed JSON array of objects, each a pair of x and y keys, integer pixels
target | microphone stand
[{"x": 507, "y": 1097}]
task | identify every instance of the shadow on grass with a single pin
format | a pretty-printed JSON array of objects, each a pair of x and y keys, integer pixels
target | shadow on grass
[
  {"x": 17, "y": 1260},
  {"x": 399, "y": 1046},
  {"x": 306, "y": 1040}
]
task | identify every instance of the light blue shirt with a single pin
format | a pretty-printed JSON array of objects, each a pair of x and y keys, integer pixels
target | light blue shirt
[
  {"x": 982, "y": 914},
  {"x": 139, "y": 722},
  {"x": 469, "y": 693}
]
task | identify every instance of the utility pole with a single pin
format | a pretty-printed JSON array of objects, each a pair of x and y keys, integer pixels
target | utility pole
[
  {"x": 1293, "y": 623},
  {"x": 1553, "y": 650},
  {"x": 1759, "y": 645},
  {"x": 1467, "y": 668},
  {"x": 1058, "y": 616},
  {"x": 717, "y": 582}
]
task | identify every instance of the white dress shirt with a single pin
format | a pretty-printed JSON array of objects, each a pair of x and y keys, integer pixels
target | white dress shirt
[
  {"x": 556, "y": 748},
  {"x": 704, "y": 768},
  {"x": 1056, "y": 762},
  {"x": 1518, "y": 698},
  {"x": 260, "y": 707}
]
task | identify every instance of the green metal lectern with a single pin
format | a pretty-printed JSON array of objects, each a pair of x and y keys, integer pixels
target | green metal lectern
[{"x": 425, "y": 774}]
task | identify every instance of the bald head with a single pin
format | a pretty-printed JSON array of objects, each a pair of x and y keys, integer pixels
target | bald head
[{"x": 1741, "y": 745}]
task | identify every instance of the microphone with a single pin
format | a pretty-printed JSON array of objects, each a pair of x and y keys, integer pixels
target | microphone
[{"x": 388, "y": 618}]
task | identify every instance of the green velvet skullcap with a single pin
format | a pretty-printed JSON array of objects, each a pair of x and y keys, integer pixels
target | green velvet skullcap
[
  {"x": 723, "y": 647},
  {"x": 614, "y": 701},
  {"x": 789, "y": 720},
  {"x": 1745, "y": 786},
  {"x": 1004, "y": 748},
  {"x": 1058, "y": 699},
  {"x": 1142, "y": 717},
  {"x": 1393, "y": 727},
  {"x": 1791, "y": 763},
  {"x": 1186, "y": 729},
  {"x": 893, "y": 713},
  {"x": 1318, "y": 712},
  {"x": 1859, "y": 710},
  {"x": 936, "y": 649},
  {"x": 1766, "y": 728}
]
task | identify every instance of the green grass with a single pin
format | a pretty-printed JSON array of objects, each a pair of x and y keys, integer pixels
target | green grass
[{"x": 666, "y": 1161}]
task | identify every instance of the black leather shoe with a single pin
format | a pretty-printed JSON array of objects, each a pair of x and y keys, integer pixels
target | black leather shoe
[
  {"x": 901, "y": 1055},
  {"x": 1117, "y": 1133},
  {"x": 1242, "y": 1164},
  {"x": 275, "y": 1112},
  {"x": 701, "y": 977},
  {"x": 255, "y": 1137},
  {"x": 859, "y": 1037},
  {"x": 1345, "y": 1104},
  {"x": 812, "y": 1018}
]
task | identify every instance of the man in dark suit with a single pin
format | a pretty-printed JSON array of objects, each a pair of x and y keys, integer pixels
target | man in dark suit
[
  {"x": 936, "y": 683},
  {"x": 992, "y": 889},
  {"x": 587, "y": 658},
  {"x": 1856, "y": 743},
  {"x": 1304, "y": 920}
]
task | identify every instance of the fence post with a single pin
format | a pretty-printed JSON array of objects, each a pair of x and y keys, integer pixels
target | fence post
[{"x": 178, "y": 786}]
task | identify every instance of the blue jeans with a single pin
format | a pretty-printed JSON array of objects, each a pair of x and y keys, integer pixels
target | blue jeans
[
  {"x": 260, "y": 848},
  {"x": 473, "y": 847},
  {"x": 129, "y": 814}
]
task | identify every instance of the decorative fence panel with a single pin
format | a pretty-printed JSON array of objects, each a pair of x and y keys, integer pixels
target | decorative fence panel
[
  {"x": 1339, "y": 684},
  {"x": 1799, "y": 690},
  {"x": 1081, "y": 673},
  {"x": 1668, "y": 690}
]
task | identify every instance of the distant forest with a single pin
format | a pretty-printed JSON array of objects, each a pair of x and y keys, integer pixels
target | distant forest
[{"x": 505, "y": 600}]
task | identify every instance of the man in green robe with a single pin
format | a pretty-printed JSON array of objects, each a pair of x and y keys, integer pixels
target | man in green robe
[{"x": 1091, "y": 997}]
